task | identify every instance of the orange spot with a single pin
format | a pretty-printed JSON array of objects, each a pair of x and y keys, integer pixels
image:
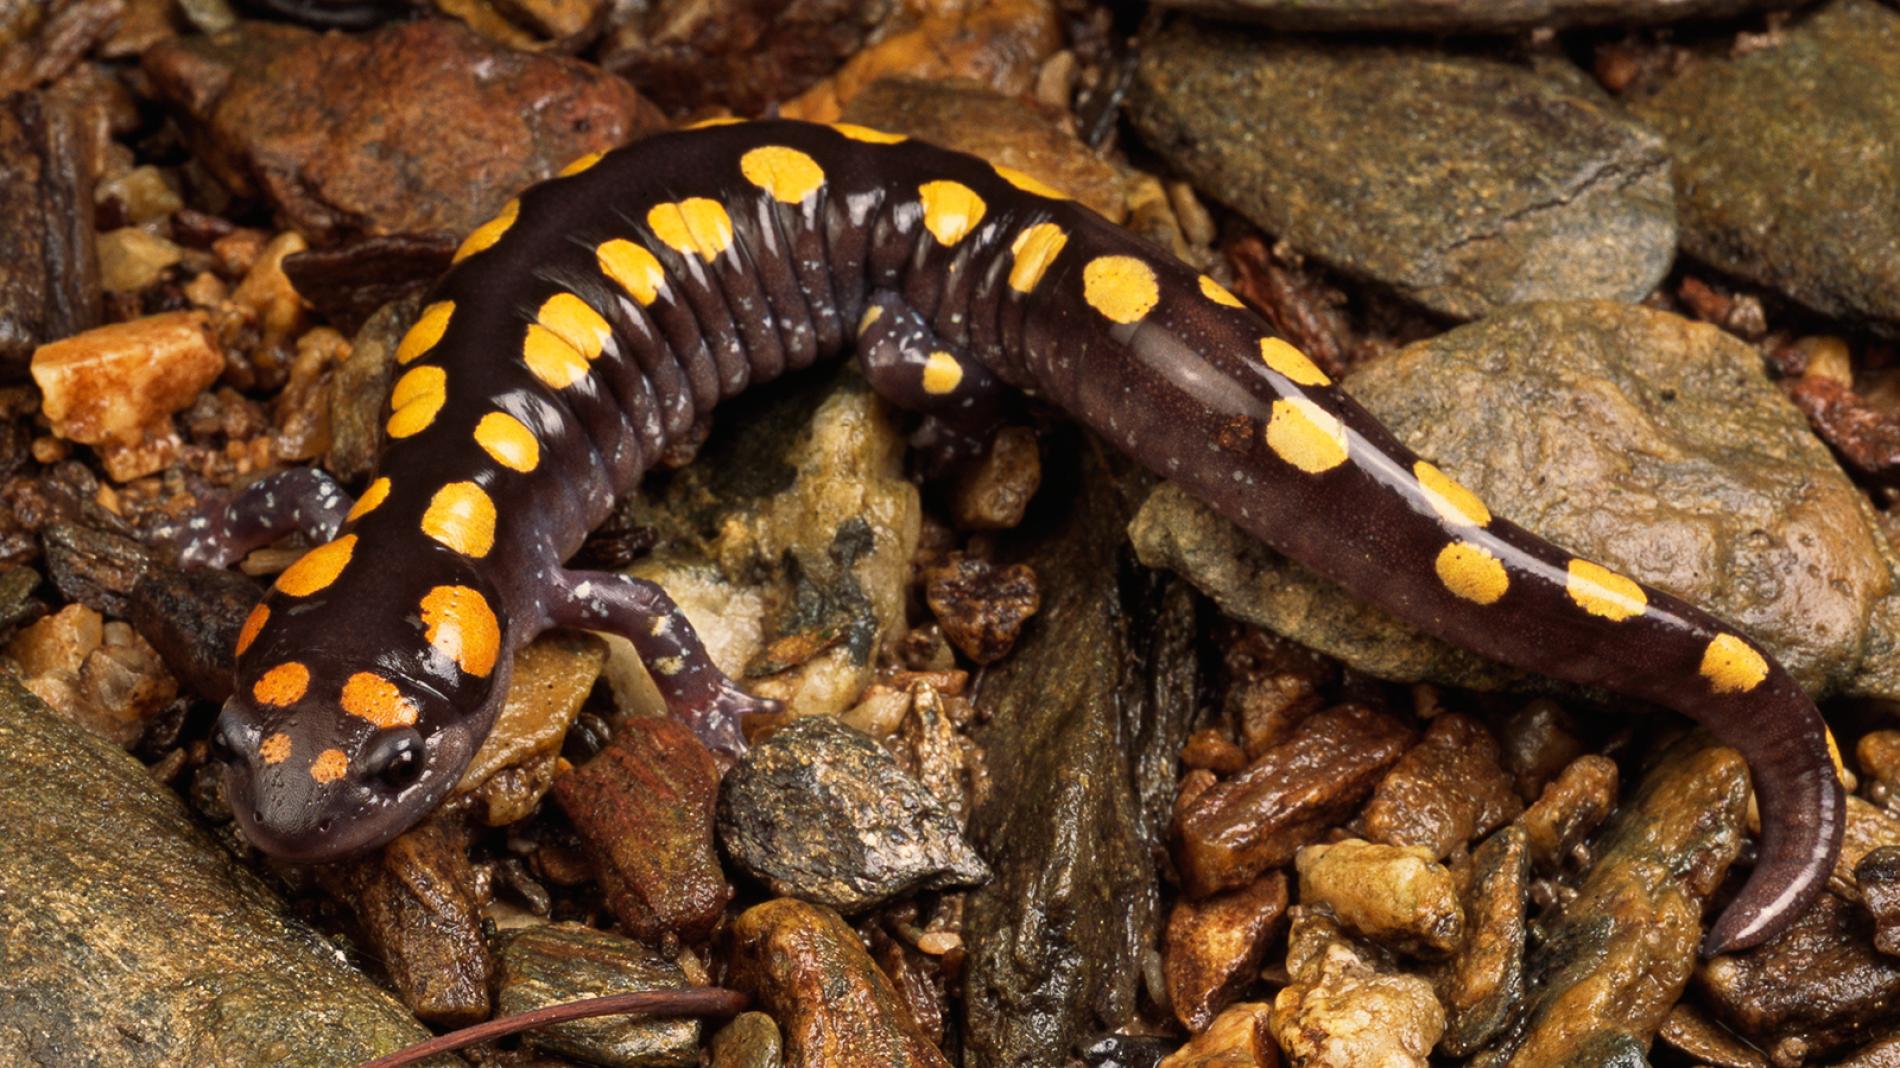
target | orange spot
[
  {"x": 1218, "y": 293},
  {"x": 419, "y": 394},
  {"x": 377, "y": 492},
  {"x": 429, "y": 328},
  {"x": 488, "y": 233},
  {"x": 508, "y": 441},
  {"x": 317, "y": 568},
  {"x": 572, "y": 320},
  {"x": 252, "y": 624},
  {"x": 581, "y": 164},
  {"x": 1122, "y": 288},
  {"x": 461, "y": 626},
  {"x": 951, "y": 210},
  {"x": 553, "y": 361},
  {"x": 282, "y": 685},
  {"x": 376, "y": 699},
  {"x": 694, "y": 226},
  {"x": 329, "y": 766},
  {"x": 635, "y": 269},
  {"x": 1029, "y": 183},
  {"x": 866, "y": 134},
  {"x": 275, "y": 749},
  {"x": 461, "y": 516}
]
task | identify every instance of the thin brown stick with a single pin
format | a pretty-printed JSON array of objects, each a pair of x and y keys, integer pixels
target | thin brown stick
[{"x": 701, "y": 1001}]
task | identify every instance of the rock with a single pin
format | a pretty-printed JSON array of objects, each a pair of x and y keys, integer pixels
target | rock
[
  {"x": 514, "y": 766},
  {"x": 132, "y": 939},
  {"x": 131, "y": 259},
  {"x": 192, "y": 619},
  {"x": 1445, "y": 791},
  {"x": 1392, "y": 895},
  {"x": 993, "y": 493},
  {"x": 1827, "y": 96},
  {"x": 1259, "y": 819},
  {"x": 98, "y": 674},
  {"x": 643, "y": 808},
  {"x": 1482, "y": 984},
  {"x": 1623, "y": 948},
  {"x": 750, "y": 1040},
  {"x": 1496, "y": 16},
  {"x": 425, "y": 127},
  {"x": 1347, "y": 1007},
  {"x": 1681, "y": 466},
  {"x": 1241, "y": 1037},
  {"x": 1569, "y": 811},
  {"x": 348, "y": 282},
  {"x": 361, "y": 388},
  {"x": 806, "y": 967},
  {"x": 49, "y": 280},
  {"x": 1465, "y": 183},
  {"x": 1878, "y": 754},
  {"x": 981, "y": 607},
  {"x": 1214, "y": 947},
  {"x": 1878, "y": 876},
  {"x": 1868, "y": 829},
  {"x": 820, "y": 812},
  {"x": 119, "y": 384},
  {"x": 1540, "y": 741},
  {"x": 1273, "y": 685},
  {"x": 542, "y": 966},
  {"x": 1706, "y": 1041}
]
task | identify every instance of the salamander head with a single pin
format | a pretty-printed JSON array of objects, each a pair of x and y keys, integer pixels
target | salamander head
[{"x": 352, "y": 717}]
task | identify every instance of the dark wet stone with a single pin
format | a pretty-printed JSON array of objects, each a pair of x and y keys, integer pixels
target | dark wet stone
[
  {"x": 49, "y": 277},
  {"x": 1878, "y": 875},
  {"x": 1215, "y": 946},
  {"x": 993, "y": 493},
  {"x": 1482, "y": 984},
  {"x": 1492, "y": 16},
  {"x": 1465, "y": 183},
  {"x": 643, "y": 808},
  {"x": 192, "y": 618},
  {"x": 750, "y": 1040},
  {"x": 1787, "y": 163},
  {"x": 1705, "y": 1041},
  {"x": 348, "y": 283},
  {"x": 422, "y": 126},
  {"x": 821, "y": 812},
  {"x": 981, "y": 607},
  {"x": 1084, "y": 721},
  {"x": 132, "y": 939},
  {"x": 1445, "y": 791},
  {"x": 1623, "y": 948},
  {"x": 1869, "y": 828},
  {"x": 515, "y": 765},
  {"x": 541, "y": 966},
  {"x": 1128, "y": 1051},
  {"x": 1569, "y": 811},
  {"x": 96, "y": 567},
  {"x": 1539, "y": 742},
  {"x": 1682, "y": 466},
  {"x": 806, "y": 966},
  {"x": 18, "y": 605},
  {"x": 361, "y": 389}
]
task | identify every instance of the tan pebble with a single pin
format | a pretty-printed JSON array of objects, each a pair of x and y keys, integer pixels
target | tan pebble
[
  {"x": 120, "y": 382},
  {"x": 131, "y": 259}
]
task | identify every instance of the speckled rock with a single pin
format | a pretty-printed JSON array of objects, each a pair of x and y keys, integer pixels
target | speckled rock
[
  {"x": 1348, "y": 1005},
  {"x": 1463, "y": 182},
  {"x": 132, "y": 940},
  {"x": 1483, "y": 982},
  {"x": 1630, "y": 436},
  {"x": 541, "y": 966},
  {"x": 1492, "y": 16},
  {"x": 1788, "y": 160},
  {"x": 1392, "y": 895},
  {"x": 1445, "y": 791}
]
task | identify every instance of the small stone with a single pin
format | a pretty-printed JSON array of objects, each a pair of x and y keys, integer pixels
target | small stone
[
  {"x": 1868, "y": 828},
  {"x": 1569, "y": 811},
  {"x": 1445, "y": 791},
  {"x": 1213, "y": 948},
  {"x": 267, "y": 294},
  {"x": 120, "y": 383},
  {"x": 550, "y": 681},
  {"x": 1211, "y": 749},
  {"x": 993, "y": 493},
  {"x": 49, "y": 287},
  {"x": 1241, "y": 1037},
  {"x": 821, "y": 812},
  {"x": 98, "y": 674},
  {"x": 1393, "y": 895},
  {"x": 1493, "y": 16},
  {"x": 1483, "y": 982},
  {"x": 541, "y": 966},
  {"x": 1878, "y": 876},
  {"x": 1346, "y": 1008},
  {"x": 750, "y": 1040},
  {"x": 131, "y": 259},
  {"x": 1539, "y": 742},
  {"x": 141, "y": 194},
  {"x": 1706, "y": 1041},
  {"x": 1878, "y": 754},
  {"x": 192, "y": 619},
  {"x": 981, "y": 607}
]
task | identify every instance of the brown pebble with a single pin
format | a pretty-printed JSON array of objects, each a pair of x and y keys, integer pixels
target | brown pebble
[
  {"x": 1445, "y": 791},
  {"x": 1395, "y": 896},
  {"x": 1705, "y": 1041},
  {"x": 1869, "y": 828},
  {"x": 1211, "y": 749},
  {"x": 120, "y": 383},
  {"x": 1539, "y": 742},
  {"x": 1570, "y": 810},
  {"x": 1214, "y": 947},
  {"x": 1241, "y": 1037},
  {"x": 994, "y": 492},
  {"x": 981, "y": 607},
  {"x": 550, "y": 681},
  {"x": 1481, "y": 985}
]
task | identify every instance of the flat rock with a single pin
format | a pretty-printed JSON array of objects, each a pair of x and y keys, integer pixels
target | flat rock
[
  {"x": 1492, "y": 16},
  {"x": 131, "y": 939},
  {"x": 1627, "y": 435},
  {"x": 49, "y": 272},
  {"x": 562, "y": 962},
  {"x": 1483, "y": 982},
  {"x": 1448, "y": 789},
  {"x": 1464, "y": 183},
  {"x": 1788, "y": 160}
]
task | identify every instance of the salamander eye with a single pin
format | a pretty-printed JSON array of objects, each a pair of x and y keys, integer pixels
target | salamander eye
[{"x": 394, "y": 758}]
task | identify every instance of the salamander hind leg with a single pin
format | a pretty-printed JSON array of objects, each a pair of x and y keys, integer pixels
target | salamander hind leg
[
  {"x": 302, "y": 499},
  {"x": 693, "y": 688},
  {"x": 909, "y": 366}
]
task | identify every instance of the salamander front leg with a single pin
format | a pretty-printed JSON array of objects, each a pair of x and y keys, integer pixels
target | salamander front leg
[
  {"x": 909, "y": 366},
  {"x": 301, "y": 499},
  {"x": 693, "y": 688}
]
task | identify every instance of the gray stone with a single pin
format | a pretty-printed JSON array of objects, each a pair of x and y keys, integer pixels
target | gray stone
[{"x": 563, "y": 962}]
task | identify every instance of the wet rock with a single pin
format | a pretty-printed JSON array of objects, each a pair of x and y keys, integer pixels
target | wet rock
[
  {"x": 1706, "y": 1041},
  {"x": 806, "y": 967},
  {"x": 1259, "y": 819},
  {"x": 1569, "y": 811},
  {"x": 95, "y": 565},
  {"x": 1824, "y": 95},
  {"x": 1493, "y": 17},
  {"x": 361, "y": 388},
  {"x": 643, "y": 808},
  {"x": 185, "y": 957},
  {"x": 542, "y": 966},
  {"x": 1866, "y": 437},
  {"x": 1681, "y": 466},
  {"x": 1402, "y": 164},
  {"x": 751, "y": 1040},
  {"x": 192, "y": 619},
  {"x": 119, "y": 384},
  {"x": 1241, "y": 1037},
  {"x": 1623, "y": 948},
  {"x": 994, "y": 492},
  {"x": 1273, "y": 685},
  {"x": 1878, "y": 754},
  {"x": 821, "y": 812},
  {"x": 1393, "y": 895},
  {"x": 1868, "y": 828},
  {"x": 1346, "y": 1006},
  {"x": 347, "y": 283},
  {"x": 1539, "y": 742},
  {"x": 1482, "y": 984},
  {"x": 1445, "y": 791},
  {"x": 425, "y": 126},
  {"x": 981, "y": 607},
  {"x": 514, "y": 766},
  {"x": 99, "y": 674},
  {"x": 49, "y": 283},
  {"x": 1215, "y": 946},
  {"x": 1878, "y": 876}
]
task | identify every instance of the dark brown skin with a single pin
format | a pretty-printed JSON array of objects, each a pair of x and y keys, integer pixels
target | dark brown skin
[{"x": 772, "y": 244}]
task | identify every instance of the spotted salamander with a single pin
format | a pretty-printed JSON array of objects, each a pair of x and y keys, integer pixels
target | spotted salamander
[{"x": 603, "y": 314}]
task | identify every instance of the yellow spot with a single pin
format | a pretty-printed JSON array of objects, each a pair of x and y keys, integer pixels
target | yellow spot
[
  {"x": 1602, "y": 592},
  {"x": 370, "y": 696},
  {"x": 634, "y": 268},
  {"x": 329, "y": 766},
  {"x": 871, "y": 315},
  {"x": 1304, "y": 435},
  {"x": 552, "y": 360},
  {"x": 461, "y": 626},
  {"x": 1454, "y": 504},
  {"x": 281, "y": 685},
  {"x": 694, "y": 226},
  {"x": 951, "y": 210},
  {"x": 581, "y": 164},
  {"x": 1471, "y": 572},
  {"x": 1732, "y": 666},
  {"x": 572, "y": 320},
  {"x": 253, "y": 623},
  {"x": 317, "y": 568},
  {"x": 1120, "y": 287},
  {"x": 1218, "y": 293},
  {"x": 427, "y": 331},
  {"x": 275, "y": 749},
  {"x": 942, "y": 374},
  {"x": 375, "y": 494},
  {"x": 1834, "y": 754},
  {"x": 508, "y": 441},
  {"x": 865, "y": 133},
  {"x": 1035, "y": 249},
  {"x": 717, "y": 120},
  {"x": 418, "y": 396},
  {"x": 488, "y": 233},
  {"x": 786, "y": 173},
  {"x": 1029, "y": 183},
  {"x": 1292, "y": 363},
  {"x": 461, "y": 516}
]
